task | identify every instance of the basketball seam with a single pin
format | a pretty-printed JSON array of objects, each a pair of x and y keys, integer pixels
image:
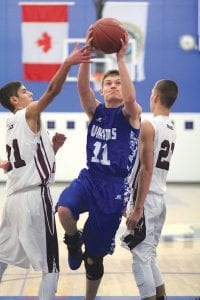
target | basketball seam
[{"x": 106, "y": 34}]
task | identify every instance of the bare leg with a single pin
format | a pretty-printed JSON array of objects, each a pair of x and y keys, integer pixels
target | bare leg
[
  {"x": 67, "y": 220},
  {"x": 160, "y": 292},
  {"x": 92, "y": 285},
  {"x": 92, "y": 288}
]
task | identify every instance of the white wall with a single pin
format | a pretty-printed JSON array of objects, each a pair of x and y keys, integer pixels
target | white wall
[{"x": 185, "y": 165}]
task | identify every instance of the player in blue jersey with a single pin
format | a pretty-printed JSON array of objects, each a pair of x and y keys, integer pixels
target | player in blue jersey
[{"x": 102, "y": 188}]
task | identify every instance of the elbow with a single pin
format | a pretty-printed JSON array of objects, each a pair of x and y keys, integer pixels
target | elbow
[
  {"x": 54, "y": 90},
  {"x": 146, "y": 171},
  {"x": 82, "y": 87},
  {"x": 130, "y": 99}
]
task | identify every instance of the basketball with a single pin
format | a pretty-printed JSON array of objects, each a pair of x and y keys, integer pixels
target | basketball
[{"x": 106, "y": 34}]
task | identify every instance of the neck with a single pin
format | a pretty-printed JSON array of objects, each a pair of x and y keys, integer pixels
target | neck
[
  {"x": 113, "y": 103},
  {"x": 161, "y": 111}
]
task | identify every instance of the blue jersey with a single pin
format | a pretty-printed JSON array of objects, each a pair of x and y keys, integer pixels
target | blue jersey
[
  {"x": 102, "y": 189},
  {"x": 112, "y": 143}
]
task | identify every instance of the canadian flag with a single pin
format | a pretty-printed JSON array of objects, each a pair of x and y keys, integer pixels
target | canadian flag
[{"x": 44, "y": 29}]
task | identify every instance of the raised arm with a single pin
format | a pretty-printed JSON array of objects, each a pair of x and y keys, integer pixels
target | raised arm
[
  {"x": 87, "y": 97},
  {"x": 132, "y": 109},
  {"x": 35, "y": 108}
]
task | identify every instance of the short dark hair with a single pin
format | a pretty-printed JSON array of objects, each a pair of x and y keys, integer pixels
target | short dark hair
[
  {"x": 168, "y": 91},
  {"x": 110, "y": 73},
  {"x": 8, "y": 90}
]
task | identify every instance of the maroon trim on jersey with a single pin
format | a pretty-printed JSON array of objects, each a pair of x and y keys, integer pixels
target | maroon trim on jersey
[
  {"x": 51, "y": 233},
  {"x": 135, "y": 179},
  {"x": 41, "y": 163},
  {"x": 45, "y": 153},
  {"x": 41, "y": 177}
]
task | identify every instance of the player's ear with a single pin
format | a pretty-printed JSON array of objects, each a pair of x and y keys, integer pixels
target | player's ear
[
  {"x": 14, "y": 100},
  {"x": 157, "y": 98}
]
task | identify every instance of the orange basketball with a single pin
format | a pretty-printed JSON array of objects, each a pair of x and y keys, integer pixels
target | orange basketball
[{"x": 106, "y": 34}]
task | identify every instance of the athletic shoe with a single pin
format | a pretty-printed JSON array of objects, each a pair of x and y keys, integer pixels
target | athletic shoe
[{"x": 74, "y": 245}]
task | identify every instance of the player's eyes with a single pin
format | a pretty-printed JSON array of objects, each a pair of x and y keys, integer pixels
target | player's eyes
[
  {"x": 24, "y": 91},
  {"x": 108, "y": 83}
]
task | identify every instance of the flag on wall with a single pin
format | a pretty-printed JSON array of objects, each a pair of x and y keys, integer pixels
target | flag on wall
[
  {"x": 134, "y": 16},
  {"x": 44, "y": 28}
]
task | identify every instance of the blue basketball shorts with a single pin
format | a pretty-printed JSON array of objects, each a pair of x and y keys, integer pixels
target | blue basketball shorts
[{"x": 104, "y": 200}]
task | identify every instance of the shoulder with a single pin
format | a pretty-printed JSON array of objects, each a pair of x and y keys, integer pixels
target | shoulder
[
  {"x": 134, "y": 118},
  {"x": 19, "y": 115},
  {"x": 147, "y": 125},
  {"x": 31, "y": 107},
  {"x": 147, "y": 129},
  {"x": 94, "y": 110}
]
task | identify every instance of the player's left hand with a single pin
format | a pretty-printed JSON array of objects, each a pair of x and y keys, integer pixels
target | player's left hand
[
  {"x": 133, "y": 218},
  {"x": 121, "y": 53},
  {"x": 58, "y": 141},
  {"x": 4, "y": 164}
]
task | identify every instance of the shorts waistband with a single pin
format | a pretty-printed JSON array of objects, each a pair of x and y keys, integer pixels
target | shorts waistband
[
  {"x": 30, "y": 188},
  {"x": 106, "y": 177}
]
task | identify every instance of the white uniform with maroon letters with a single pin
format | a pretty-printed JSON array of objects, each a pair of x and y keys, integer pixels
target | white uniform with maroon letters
[
  {"x": 28, "y": 232},
  {"x": 146, "y": 271}
]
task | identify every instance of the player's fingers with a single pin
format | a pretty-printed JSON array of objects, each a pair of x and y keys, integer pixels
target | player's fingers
[
  {"x": 76, "y": 46},
  {"x": 89, "y": 32},
  {"x": 89, "y": 41},
  {"x": 86, "y": 48},
  {"x": 131, "y": 224},
  {"x": 122, "y": 42}
]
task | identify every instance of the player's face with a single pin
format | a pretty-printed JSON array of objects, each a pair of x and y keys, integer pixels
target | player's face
[
  {"x": 24, "y": 96},
  {"x": 112, "y": 91}
]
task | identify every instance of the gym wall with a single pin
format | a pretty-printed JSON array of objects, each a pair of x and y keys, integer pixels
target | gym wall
[{"x": 165, "y": 57}]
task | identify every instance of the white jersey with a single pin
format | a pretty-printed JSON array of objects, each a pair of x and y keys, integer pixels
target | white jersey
[
  {"x": 31, "y": 155},
  {"x": 164, "y": 143}
]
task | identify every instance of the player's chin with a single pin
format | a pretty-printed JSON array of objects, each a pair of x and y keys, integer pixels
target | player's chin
[
  {"x": 116, "y": 101},
  {"x": 114, "y": 94}
]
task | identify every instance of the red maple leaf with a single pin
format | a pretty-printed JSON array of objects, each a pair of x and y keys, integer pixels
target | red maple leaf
[{"x": 44, "y": 42}]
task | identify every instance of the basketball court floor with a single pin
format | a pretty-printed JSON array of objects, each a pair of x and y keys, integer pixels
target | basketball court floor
[{"x": 178, "y": 256}]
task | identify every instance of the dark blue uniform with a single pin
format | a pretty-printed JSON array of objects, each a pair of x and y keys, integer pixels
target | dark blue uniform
[{"x": 102, "y": 189}]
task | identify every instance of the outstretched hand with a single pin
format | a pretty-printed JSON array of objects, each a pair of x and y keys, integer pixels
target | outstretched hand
[
  {"x": 80, "y": 55},
  {"x": 57, "y": 141},
  {"x": 89, "y": 37}
]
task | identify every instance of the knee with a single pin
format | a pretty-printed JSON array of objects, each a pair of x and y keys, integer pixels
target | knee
[
  {"x": 144, "y": 279},
  {"x": 94, "y": 267},
  {"x": 64, "y": 213}
]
